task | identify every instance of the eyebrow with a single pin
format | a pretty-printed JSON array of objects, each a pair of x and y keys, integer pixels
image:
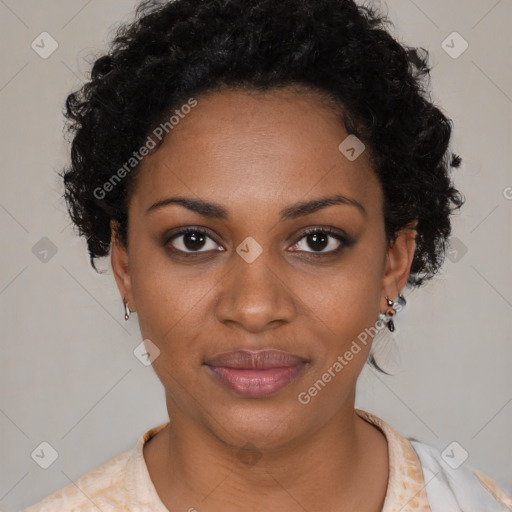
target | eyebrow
[{"x": 294, "y": 211}]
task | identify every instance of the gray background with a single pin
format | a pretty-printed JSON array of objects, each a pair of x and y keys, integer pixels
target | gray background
[{"x": 68, "y": 374}]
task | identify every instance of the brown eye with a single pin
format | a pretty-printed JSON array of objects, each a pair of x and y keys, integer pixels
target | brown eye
[
  {"x": 317, "y": 241},
  {"x": 192, "y": 240},
  {"x": 321, "y": 241}
]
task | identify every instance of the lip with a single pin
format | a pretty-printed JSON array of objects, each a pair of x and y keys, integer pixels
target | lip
[
  {"x": 255, "y": 359},
  {"x": 255, "y": 374}
]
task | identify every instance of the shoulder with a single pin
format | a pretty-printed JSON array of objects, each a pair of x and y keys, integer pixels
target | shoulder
[
  {"x": 452, "y": 485},
  {"x": 121, "y": 484},
  {"x": 99, "y": 489}
]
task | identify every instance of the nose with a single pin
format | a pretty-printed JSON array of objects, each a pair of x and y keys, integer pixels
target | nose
[{"x": 255, "y": 296}]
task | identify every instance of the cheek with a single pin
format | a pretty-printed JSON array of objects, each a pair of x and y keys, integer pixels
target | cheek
[
  {"x": 172, "y": 310},
  {"x": 171, "y": 300},
  {"x": 343, "y": 328},
  {"x": 348, "y": 298},
  {"x": 349, "y": 314}
]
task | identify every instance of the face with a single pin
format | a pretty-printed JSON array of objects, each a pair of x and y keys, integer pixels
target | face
[{"x": 267, "y": 263}]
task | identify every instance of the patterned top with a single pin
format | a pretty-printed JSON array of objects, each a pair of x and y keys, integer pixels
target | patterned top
[{"x": 123, "y": 483}]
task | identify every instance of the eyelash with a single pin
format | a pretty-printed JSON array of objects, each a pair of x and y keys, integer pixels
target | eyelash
[{"x": 344, "y": 240}]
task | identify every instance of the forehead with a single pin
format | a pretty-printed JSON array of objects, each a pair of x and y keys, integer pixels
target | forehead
[{"x": 274, "y": 146}]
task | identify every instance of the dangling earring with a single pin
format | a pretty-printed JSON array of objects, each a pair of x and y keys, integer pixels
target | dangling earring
[
  {"x": 401, "y": 300},
  {"x": 390, "y": 312},
  {"x": 126, "y": 309}
]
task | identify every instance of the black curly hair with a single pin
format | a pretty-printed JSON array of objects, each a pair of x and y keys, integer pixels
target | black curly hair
[{"x": 176, "y": 50}]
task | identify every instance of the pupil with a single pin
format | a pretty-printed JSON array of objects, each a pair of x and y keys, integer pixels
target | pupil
[
  {"x": 191, "y": 240},
  {"x": 315, "y": 237}
]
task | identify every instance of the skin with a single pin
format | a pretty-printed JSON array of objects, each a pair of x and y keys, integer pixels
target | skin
[{"x": 255, "y": 154}]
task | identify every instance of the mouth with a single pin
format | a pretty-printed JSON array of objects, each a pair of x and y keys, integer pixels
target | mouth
[{"x": 255, "y": 374}]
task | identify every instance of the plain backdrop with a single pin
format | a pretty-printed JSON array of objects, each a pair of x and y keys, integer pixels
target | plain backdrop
[{"x": 68, "y": 373}]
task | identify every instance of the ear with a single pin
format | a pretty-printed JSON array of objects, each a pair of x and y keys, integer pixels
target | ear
[
  {"x": 399, "y": 260},
  {"x": 120, "y": 266}
]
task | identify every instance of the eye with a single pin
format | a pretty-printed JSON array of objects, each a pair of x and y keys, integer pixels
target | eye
[
  {"x": 321, "y": 240},
  {"x": 192, "y": 240}
]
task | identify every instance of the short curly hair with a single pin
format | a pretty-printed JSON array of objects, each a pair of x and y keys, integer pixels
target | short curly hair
[{"x": 177, "y": 49}]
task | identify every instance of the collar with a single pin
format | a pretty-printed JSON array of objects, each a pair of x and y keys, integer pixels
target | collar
[
  {"x": 406, "y": 485},
  {"x": 405, "y": 492}
]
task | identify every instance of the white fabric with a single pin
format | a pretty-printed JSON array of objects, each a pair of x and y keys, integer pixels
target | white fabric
[{"x": 453, "y": 490}]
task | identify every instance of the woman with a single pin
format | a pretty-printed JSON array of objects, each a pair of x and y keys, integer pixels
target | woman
[{"x": 267, "y": 178}]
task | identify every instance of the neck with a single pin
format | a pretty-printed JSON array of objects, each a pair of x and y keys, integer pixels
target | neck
[{"x": 192, "y": 468}]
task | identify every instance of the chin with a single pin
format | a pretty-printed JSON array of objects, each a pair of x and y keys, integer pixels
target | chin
[{"x": 266, "y": 425}]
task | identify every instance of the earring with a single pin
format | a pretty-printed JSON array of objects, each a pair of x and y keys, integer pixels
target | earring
[
  {"x": 401, "y": 300},
  {"x": 126, "y": 309},
  {"x": 390, "y": 312}
]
